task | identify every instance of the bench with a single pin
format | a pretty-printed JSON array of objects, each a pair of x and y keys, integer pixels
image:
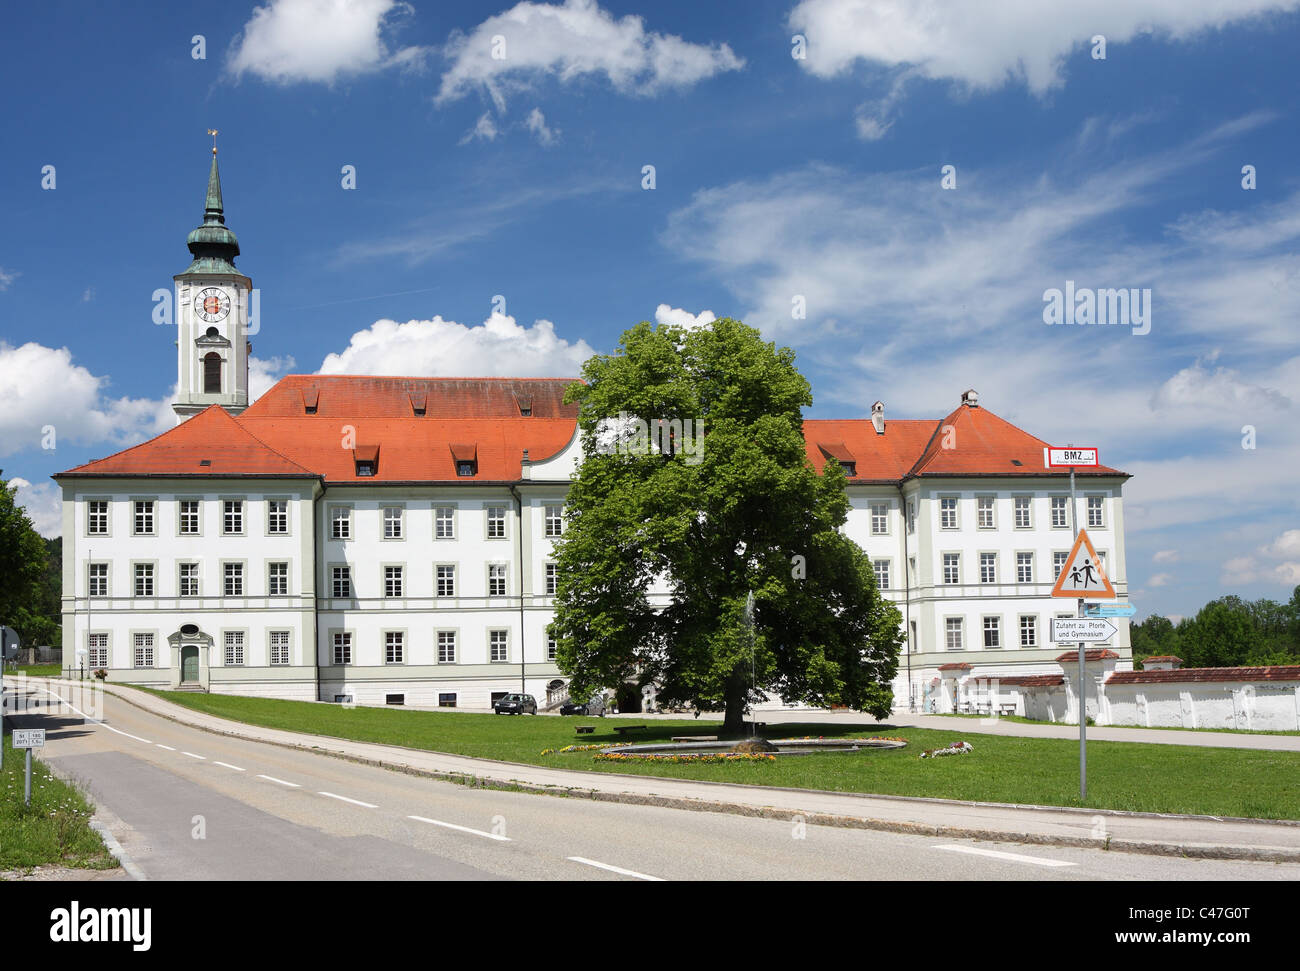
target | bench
[
  {"x": 624, "y": 729},
  {"x": 584, "y": 729},
  {"x": 1008, "y": 709}
]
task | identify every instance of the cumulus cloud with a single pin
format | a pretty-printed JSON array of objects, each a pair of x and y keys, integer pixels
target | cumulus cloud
[
  {"x": 987, "y": 45},
  {"x": 499, "y": 347},
  {"x": 536, "y": 123},
  {"x": 1277, "y": 562},
  {"x": 1160, "y": 580},
  {"x": 288, "y": 41},
  {"x": 665, "y": 314},
  {"x": 484, "y": 130},
  {"x": 263, "y": 373},
  {"x": 43, "y": 389},
  {"x": 514, "y": 50},
  {"x": 43, "y": 503},
  {"x": 6, "y": 278},
  {"x": 1165, "y": 556},
  {"x": 1198, "y": 386}
]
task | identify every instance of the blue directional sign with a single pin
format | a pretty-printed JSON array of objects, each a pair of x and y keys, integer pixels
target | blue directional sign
[{"x": 1111, "y": 610}]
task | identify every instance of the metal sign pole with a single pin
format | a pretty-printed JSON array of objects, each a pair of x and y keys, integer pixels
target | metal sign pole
[
  {"x": 27, "y": 780},
  {"x": 1082, "y": 693}
]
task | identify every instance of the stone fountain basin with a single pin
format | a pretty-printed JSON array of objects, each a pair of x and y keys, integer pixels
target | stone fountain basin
[{"x": 784, "y": 746}]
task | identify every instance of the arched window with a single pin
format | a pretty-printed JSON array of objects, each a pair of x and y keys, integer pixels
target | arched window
[{"x": 212, "y": 373}]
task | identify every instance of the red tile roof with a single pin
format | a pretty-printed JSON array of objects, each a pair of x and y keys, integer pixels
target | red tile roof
[
  {"x": 211, "y": 437},
  {"x": 877, "y": 458},
  {"x": 954, "y": 667},
  {"x": 1163, "y": 657},
  {"x": 1280, "y": 672},
  {"x": 1092, "y": 654},
  {"x": 349, "y": 396},
  {"x": 1024, "y": 680}
]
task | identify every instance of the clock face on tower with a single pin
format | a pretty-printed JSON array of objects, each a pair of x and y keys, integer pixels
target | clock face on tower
[{"x": 212, "y": 304}]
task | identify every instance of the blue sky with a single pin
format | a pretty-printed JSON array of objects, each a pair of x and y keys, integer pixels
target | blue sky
[{"x": 776, "y": 178}]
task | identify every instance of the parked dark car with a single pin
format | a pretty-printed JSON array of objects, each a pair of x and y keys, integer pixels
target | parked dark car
[
  {"x": 516, "y": 705},
  {"x": 596, "y": 706}
]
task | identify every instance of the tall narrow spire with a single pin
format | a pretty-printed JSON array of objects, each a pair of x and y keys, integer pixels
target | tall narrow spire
[
  {"x": 213, "y": 245},
  {"x": 212, "y": 208}
]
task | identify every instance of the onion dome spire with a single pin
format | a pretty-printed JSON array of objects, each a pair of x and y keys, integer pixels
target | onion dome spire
[{"x": 213, "y": 245}]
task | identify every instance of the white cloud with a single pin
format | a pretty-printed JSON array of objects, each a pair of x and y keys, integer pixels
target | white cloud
[
  {"x": 536, "y": 123},
  {"x": 1221, "y": 388},
  {"x": 319, "y": 40},
  {"x": 6, "y": 278},
  {"x": 986, "y": 45},
  {"x": 1268, "y": 564},
  {"x": 1160, "y": 580},
  {"x": 88, "y": 295},
  {"x": 43, "y": 503},
  {"x": 498, "y": 347},
  {"x": 572, "y": 41},
  {"x": 43, "y": 388},
  {"x": 1288, "y": 544},
  {"x": 262, "y": 374},
  {"x": 1165, "y": 556},
  {"x": 484, "y": 129},
  {"x": 665, "y": 314}
]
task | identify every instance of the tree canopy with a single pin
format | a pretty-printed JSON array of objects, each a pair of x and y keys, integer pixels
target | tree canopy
[
  {"x": 1227, "y": 632},
  {"x": 29, "y": 584},
  {"x": 707, "y": 522}
]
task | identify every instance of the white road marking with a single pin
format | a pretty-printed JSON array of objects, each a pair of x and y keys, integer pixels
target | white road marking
[
  {"x": 228, "y": 765},
  {"x": 203, "y": 758},
  {"x": 271, "y": 778},
  {"x": 1013, "y": 857},
  {"x": 355, "y": 802},
  {"x": 167, "y": 747},
  {"x": 614, "y": 869},
  {"x": 463, "y": 829},
  {"x": 120, "y": 732}
]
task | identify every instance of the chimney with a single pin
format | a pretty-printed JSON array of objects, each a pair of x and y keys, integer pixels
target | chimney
[
  {"x": 970, "y": 398},
  {"x": 878, "y": 417},
  {"x": 1162, "y": 662}
]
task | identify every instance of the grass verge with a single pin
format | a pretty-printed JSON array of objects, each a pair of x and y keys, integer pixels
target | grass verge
[
  {"x": 1020, "y": 719},
  {"x": 54, "y": 829},
  {"x": 1121, "y": 775}
]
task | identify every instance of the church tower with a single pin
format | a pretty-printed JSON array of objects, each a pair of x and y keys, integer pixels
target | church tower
[{"x": 212, "y": 316}]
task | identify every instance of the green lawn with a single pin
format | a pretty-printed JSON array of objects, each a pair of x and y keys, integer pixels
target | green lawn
[
  {"x": 1151, "y": 728},
  {"x": 1121, "y": 775},
  {"x": 54, "y": 829},
  {"x": 37, "y": 670}
]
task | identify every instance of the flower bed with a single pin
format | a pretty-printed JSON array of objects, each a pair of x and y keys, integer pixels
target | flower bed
[
  {"x": 583, "y": 748},
  {"x": 712, "y": 758},
  {"x": 953, "y": 748}
]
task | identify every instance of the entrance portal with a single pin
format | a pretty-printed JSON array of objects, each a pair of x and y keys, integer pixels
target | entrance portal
[{"x": 190, "y": 663}]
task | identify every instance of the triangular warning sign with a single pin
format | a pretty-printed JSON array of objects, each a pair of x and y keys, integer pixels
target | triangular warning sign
[{"x": 1082, "y": 576}]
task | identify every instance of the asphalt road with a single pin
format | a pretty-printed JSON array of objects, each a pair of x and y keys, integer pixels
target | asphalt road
[{"x": 190, "y": 805}]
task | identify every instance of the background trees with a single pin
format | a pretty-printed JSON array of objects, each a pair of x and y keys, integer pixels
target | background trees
[
  {"x": 30, "y": 581},
  {"x": 1226, "y": 632}
]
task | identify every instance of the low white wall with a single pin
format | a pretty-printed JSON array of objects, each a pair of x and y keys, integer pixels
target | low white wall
[{"x": 1253, "y": 706}]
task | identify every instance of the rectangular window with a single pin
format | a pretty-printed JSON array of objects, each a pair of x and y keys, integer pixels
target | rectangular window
[
  {"x": 952, "y": 568},
  {"x": 496, "y": 580},
  {"x": 1101, "y": 561},
  {"x": 234, "y": 577},
  {"x": 446, "y": 699},
  {"x": 446, "y": 580},
  {"x": 879, "y": 518},
  {"x": 279, "y": 647},
  {"x": 1095, "y": 518},
  {"x": 446, "y": 647},
  {"x": 988, "y": 568},
  {"x": 881, "y": 568},
  {"x": 392, "y": 522},
  {"x": 341, "y": 523},
  {"x": 984, "y": 512},
  {"x": 992, "y": 632},
  {"x": 911, "y": 515},
  {"x": 394, "y": 699},
  {"x": 1028, "y": 630},
  {"x": 189, "y": 517},
  {"x": 496, "y": 522},
  {"x": 952, "y": 639},
  {"x": 277, "y": 517},
  {"x": 554, "y": 520},
  {"x": 392, "y": 581},
  {"x": 189, "y": 579},
  {"x": 1058, "y": 563},
  {"x": 99, "y": 579},
  {"x": 1060, "y": 512},
  {"x": 948, "y": 512},
  {"x": 497, "y": 645},
  {"x": 552, "y": 579},
  {"x": 143, "y": 650},
  {"x": 551, "y": 648},
  {"x": 343, "y": 648},
  {"x": 144, "y": 517},
  {"x": 277, "y": 580},
  {"x": 234, "y": 647},
  {"x": 393, "y": 643},
  {"x": 97, "y": 651},
  {"x": 144, "y": 579},
  {"x": 1023, "y": 506},
  {"x": 444, "y": 522},
  {"x": 1024, "y": 568},
  {"x": 232, "y": 517},
  {"x": 342, "y": 581},
  {"x": 97, "y": 517}
]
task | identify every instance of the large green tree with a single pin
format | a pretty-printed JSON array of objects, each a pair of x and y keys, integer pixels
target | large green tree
[
  {"x": 23, "y": 581},
  {"x": 745, "y": 512}
]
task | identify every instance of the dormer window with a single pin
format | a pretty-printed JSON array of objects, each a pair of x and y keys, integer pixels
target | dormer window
[
  {"x": 419, "y": 404},
  {"x": 850, "y": 468},
  {"x": 465, "y": 458},
  {"x": 366, "y": 458},
  {"x": 365, "y": 469},
  {"x": 310, "y": 400},
  {"x": 467, "y": 468},
  {"x": 525, "y": 405}
]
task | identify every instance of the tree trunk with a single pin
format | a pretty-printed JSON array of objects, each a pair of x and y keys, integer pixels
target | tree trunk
[{"x": 733, "y": 721}]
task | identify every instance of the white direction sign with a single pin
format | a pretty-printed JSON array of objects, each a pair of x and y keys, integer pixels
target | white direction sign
[
  {"x": 29, "y": 738},
  {"x": 1076, "y": 630},
  {"x": 1072, "y": 456}
]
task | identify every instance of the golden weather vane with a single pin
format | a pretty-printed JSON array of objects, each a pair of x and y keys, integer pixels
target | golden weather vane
[{"x": 213, "y": 133}]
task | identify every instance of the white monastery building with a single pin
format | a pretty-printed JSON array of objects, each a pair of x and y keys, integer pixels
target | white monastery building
[{"x": 388, "y": 540}]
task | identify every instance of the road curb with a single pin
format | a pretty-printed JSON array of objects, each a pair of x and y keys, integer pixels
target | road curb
[{"x": 1210, "y": 851}]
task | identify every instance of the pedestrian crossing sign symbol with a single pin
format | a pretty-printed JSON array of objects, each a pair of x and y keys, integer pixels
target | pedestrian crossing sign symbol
[{"x": 1082, "y": 577}]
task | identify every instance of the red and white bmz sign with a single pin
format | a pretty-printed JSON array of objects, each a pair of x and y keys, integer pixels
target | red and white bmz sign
[{"x": 1070, "y": 457}]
